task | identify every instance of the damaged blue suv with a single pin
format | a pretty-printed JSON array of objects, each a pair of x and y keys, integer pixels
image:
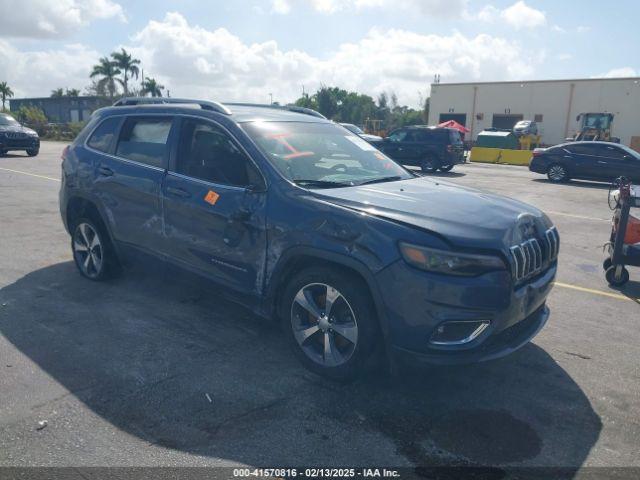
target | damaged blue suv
[{"x": 304, "y": 221}]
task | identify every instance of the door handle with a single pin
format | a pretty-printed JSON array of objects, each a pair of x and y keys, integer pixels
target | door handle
[
  {"x": 105, "y": 171},
  {"x": 178, "y": 192}
]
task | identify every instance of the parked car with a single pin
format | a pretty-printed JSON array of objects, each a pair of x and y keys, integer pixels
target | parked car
[
  {"x": 301, "y": 220},
  {"x": 525, "y": 127},
  {"x": 586, "y": 160},
  {"x": 14, "y": 136},
  {"x": 358, "y": 131},
  {"x": 430, "y": 148}
]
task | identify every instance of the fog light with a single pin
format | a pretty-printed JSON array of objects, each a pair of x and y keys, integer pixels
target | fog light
[{"x": 458, "y": 332}]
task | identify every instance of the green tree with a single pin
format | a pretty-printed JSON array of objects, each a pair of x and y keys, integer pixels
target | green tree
[
  {"x": 129, "y": 66},
  {"x": 32, "y": 117},
  {"x": 5, "y": 92},
  {"x": 58, "y": 92},
  {"x": 72, "y": 92},
  {"x": 151, "y": 87},
  {"x": 107, "y": 70}
]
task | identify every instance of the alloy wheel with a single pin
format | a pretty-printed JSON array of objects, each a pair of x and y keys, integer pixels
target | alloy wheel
[
  {"x": 324, "y": 324},
  {"x": 87, "y": 250},
  {"x": 557, "y": 173}
]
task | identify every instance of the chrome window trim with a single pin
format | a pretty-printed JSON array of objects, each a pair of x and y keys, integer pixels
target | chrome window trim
[{"x": 206, "y": 182}]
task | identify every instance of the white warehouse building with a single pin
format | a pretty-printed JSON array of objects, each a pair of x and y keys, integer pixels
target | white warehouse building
[{"x": 554, "y": 104}]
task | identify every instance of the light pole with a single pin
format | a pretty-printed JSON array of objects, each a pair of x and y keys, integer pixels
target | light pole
[{"x": 271, "y": 99}]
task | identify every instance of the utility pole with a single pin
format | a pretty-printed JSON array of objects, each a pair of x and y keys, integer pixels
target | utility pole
[{"x": 271, "y": 99}]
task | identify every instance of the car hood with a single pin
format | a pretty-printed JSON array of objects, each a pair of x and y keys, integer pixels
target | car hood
[
  {"x": 16, "y": 128},
  {"x": 465, "y": 217}
]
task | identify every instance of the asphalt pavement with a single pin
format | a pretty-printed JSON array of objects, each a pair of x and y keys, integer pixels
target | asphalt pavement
[{"x": 154, "y": 369}]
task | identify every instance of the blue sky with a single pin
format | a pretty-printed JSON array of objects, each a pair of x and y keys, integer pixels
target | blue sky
[{"x": 246, "y": 49}]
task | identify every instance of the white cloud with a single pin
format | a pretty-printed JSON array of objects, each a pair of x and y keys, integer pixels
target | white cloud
[
  {"x": 37, "y": 73},
  {"x": 53, "y": 19},
  {"x": 620, "y": 73},
  {"x": 196, "y": 62},
  {"x": 281, "y": 7},
  {"x": 519, "y": 16},
  {"x": 563, "y": 56},
  {"x": 435, "y": 8},
  {"x": 582, "y": 29}
]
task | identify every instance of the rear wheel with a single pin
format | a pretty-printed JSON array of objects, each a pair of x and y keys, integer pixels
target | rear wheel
[
  {"x": 429, "y": 165},
  {"x": 32, "y": 152},
  {"x": 92, "y": 251},
  {"x": 3, "y": 152},
  {"x": 330, "y": 322},
  {"x": 557, "y": 173},
  {"x": 446, "y": 168}
]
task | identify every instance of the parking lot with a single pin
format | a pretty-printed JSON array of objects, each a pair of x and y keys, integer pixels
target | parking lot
[{"x": 155, "y": 369}]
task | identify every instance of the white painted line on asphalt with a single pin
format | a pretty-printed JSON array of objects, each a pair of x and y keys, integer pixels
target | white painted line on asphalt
[
  {"x": 596, "y": 292},
  {"x": 577, "y": 216},
  {"x": 30, "y": 174}
]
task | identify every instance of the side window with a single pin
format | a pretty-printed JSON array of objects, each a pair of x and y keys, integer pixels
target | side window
[
  {"x": 206, "y": 152},
  {"x": 613, "y": 152},
  {"x": 398, "y": 136},
  {"x": 144, "y": 140},
  {"x": 102, "y": 137},
  {"x": 582, "y": 149}
]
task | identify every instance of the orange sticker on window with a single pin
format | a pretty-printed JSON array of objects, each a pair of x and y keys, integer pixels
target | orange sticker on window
[{"x": 211, "y": 197}]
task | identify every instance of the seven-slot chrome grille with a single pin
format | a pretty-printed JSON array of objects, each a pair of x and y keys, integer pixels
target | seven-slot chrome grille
[
  {"x": 15, "y": 135},
  {"x": 530, "y": 257}
]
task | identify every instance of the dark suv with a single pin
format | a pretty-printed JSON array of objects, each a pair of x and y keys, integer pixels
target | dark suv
[
  {"x": 430, "y": 148},
  {"x": 14, "y": 136},
  {"x": 301, "y": 220}
]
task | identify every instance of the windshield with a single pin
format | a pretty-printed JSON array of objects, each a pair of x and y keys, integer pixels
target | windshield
[
  {"x": 352, "y": 128},
  {"x": 322, "y": 154},
  {"x": 8, "y": 120}
]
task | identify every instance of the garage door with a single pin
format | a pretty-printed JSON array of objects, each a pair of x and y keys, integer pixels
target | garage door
[{"x": 506, "y": 122}]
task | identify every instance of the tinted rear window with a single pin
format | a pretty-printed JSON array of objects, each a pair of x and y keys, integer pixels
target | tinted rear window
[
  {"x": 102, "y": 137},
  {"x": 144, "y": 140}
]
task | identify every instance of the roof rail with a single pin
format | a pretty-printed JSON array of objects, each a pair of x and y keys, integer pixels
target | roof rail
[
  {"x": 290, "y": 107},
  {"x": 204, "y": 105}
]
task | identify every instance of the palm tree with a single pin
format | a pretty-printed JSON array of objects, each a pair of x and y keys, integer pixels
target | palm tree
[
  {"x": 58, "y": 92},
  {"x": 72, "y": 92},
  {"x": 5, "y": 92},
  {"x": 129, "y": 65},
  {"x": 150, "y": 86},
  {"x": 108, "y": 70}
]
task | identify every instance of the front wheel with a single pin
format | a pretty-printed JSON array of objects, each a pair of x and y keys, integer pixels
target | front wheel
[
  {"x": 557, "y": 173},
  {"x": 617, "y": 276},
  {"x": 3, "y": 152},
  {"x": 446, "y": 168},
  {"x": 32, "y": 152},
  {"x": 330, "y": 322}
]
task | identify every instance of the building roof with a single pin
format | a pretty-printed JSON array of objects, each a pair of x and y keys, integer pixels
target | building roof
[{"x": 524, "y": 82}]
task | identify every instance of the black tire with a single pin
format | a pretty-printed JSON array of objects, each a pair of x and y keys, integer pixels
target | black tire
[
  {"x": 611, "y": 276},
  {"x": 557, "y": 173},
  {"x": 32, "y": 152},
  {"x": 607, "y": 264},
  {"x": 3, "y": 153},
  {"x": 446, "y": 168},
  {"x": 86, "y": 251},
  {"x": 353, "y": 299},
  {"x": 429, "y": 165}
]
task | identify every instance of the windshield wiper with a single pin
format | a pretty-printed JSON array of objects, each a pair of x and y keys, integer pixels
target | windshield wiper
[
  {"x": 382, "y": 179},
  {"x": 321, "y": 183}
]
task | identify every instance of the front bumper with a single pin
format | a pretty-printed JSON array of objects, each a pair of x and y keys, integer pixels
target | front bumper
[
  {"x": 417, "y": 303},
  {"x": 26, "y": 143}
]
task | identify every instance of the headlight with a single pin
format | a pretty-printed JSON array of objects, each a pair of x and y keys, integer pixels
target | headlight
[{"x": 450, "y": 263}]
